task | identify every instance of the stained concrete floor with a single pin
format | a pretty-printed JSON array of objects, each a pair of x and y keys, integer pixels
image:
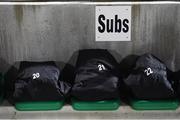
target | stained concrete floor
[{"x": 124, "y": 112}]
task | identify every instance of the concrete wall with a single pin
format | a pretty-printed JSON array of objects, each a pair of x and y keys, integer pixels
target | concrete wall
[{"x": 55, "y": 32}]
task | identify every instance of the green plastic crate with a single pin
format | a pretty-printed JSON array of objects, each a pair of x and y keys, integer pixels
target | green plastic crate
[
  {"x": 37, "y": 106},
  {"x": 154, "y": 104},
  {"x": 95, "y": 105},
  {"x": 1, "y": 88}
]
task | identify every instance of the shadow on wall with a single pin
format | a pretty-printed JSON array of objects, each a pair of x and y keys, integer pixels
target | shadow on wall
[
  {"x": 9, "y": 72},
  {"x": 68, "y": 72},
  {"x": 10, "y": 77},
  {"x": 4, "y": 66},
  {"x": 116, "y": 55},
  {"x": 127, "y": 64}
]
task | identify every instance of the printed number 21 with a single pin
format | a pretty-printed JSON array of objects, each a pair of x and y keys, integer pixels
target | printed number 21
[{"x": 101, "y": 67}]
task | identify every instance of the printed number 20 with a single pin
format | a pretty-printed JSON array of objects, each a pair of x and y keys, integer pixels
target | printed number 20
[{"x": 36, "y": 75}]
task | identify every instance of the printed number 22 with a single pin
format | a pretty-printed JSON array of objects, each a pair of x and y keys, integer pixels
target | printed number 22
[{"x": 148, "y": 71}]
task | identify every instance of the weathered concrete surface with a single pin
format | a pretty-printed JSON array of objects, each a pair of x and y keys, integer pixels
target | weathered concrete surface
[
  {"x": 124, "y": 112},
  {"x": 56, "y": 32}
]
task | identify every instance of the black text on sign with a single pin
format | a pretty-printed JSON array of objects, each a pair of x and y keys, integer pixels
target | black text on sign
[{"x": 113, "y": 23}]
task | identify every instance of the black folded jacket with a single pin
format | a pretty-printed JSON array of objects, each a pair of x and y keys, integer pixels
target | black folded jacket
[
  {"x": 96, "y": 76},
  {"x": 149, "y": 79},
  {"x": 178, "y": 88},
  {"x": 39, "y": 81},
  {"x": 176, "y": 80}
]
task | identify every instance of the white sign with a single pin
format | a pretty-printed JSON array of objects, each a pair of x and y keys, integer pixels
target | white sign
[{"x": 113, "y": 23}]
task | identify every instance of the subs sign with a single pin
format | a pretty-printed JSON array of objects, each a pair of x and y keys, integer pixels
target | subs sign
[{"x": 113, "y": 23}]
